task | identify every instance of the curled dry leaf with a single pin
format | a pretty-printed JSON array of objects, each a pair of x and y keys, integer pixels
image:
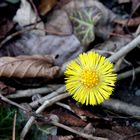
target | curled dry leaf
[{"x": 28, "y": 66}]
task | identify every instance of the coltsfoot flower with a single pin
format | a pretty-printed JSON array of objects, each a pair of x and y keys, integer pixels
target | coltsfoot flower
[{"x": 90, "y": 78}]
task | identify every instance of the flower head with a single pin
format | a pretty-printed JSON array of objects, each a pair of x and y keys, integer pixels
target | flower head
[{"x": 90, "y": 78}]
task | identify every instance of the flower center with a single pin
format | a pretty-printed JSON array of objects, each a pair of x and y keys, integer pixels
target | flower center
[{"x": 89, "y": 78}]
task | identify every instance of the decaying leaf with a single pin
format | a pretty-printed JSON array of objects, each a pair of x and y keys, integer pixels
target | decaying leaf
[
  {"x": 59, "y": 23},
  {"x": 46, "y": 5},
  {"x": 62, "y": 48},
  {"x": 68, "y": 119},
  {"x": 112, "y": 45},
  {"x": 25, "y": 16},
  {"x": 28, "y": 66}
]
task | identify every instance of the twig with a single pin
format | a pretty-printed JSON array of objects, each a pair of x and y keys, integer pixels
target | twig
[
  {"x": 122, "y": 52},
  {"x": 122, "y": 107},
  {"x": 128, "y": 73},
  {"x": 118, "y": 64},
  {"x": 34, "y": 104},
  {"x": 86, "y": 136},
  {"x": 65, "y": 106},
  {"x": 31, "y": 92},
  {"x": 47, "y": 103},
  {"x": 12, "y": 103},
  {"x": 14, "y": 127}
]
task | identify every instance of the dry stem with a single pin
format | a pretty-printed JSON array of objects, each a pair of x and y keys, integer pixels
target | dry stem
[
  {"x": 122, "y": 107},
  {"x": 14, "y": 127},
  {"x": 87, "y": 136},
  {"x": 47, "y": 103},
  {"x": 47, "y": 97},
  {"x": 31, "y": 92}
]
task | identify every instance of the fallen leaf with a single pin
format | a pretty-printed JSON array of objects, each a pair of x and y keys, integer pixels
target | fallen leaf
[
  {"x": 46, "y": 5},
  {"x": 28, "y": 66},
  {"x": 68, "y": 119},
  {"x": 112, "y": 45},
  {"x": 83, "y": 113},
  {"x": 26, "y": 16},
  {"x": 62, "y": 48},
  {"x": 111, "y": 135},
  {"x": 59, "y": 23}
]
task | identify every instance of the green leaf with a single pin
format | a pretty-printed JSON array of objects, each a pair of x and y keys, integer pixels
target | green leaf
[{"x": 83, "y": 25}]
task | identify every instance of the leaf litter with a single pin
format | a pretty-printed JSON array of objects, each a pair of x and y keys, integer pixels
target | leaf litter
[{"x": 66, "y": 29}]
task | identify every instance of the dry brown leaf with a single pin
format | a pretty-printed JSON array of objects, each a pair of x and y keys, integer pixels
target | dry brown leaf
[
  {"x": 46, "y": 5},
  {"x": 68, "y": 119},
  {"x": 111, "y": 135},
  {"x": 28, "y": 66}
]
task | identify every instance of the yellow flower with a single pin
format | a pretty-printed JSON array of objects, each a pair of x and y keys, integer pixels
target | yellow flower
[{"x": 90, "y": 78}]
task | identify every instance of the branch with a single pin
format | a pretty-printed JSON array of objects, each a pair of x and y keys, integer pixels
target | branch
[
  {"x": 47, "y": 103},
  {"x": 34, "y": 104},
  {"x": 31, "y": 92},
  {"x": 122, "y": 107},
  {"x": 86, "y": 136},
  {"x": 122, "y": 52},
  {"x": 128, "y": 74},
  {"x": 12, "y": 103}
]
